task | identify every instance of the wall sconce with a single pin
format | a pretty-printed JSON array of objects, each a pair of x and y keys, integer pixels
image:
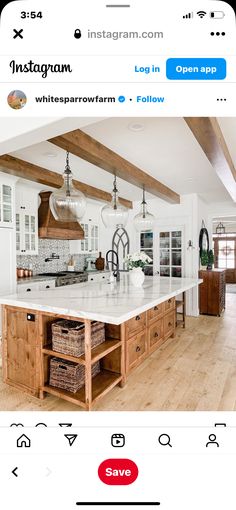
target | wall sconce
[
  {"x": 190, "y": 245},
  {"x": 220, "y": 229}
]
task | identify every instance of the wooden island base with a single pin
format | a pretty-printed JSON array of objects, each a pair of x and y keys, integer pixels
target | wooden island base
[{"x": 27, "y": 350}]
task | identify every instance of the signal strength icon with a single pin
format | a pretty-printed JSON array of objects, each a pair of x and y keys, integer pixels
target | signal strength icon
[
  {"x": 201, "y": 14},
  {"x": 188, "y": 16}
]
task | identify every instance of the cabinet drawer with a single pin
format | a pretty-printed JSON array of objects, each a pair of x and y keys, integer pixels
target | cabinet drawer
[
  {"x": 135, "y": 350},
  {"x": 98, "y": 277},
  {"x": 50, "y": 284},
  {"x": 169, "y": 323},
  {"x": 24, "y": 288},
  {"x": 156, "y": 312},
  {"x": 169, "y": 304},
  {"x": 155, "y": 334},
  {"x": 136, "y": 324}
]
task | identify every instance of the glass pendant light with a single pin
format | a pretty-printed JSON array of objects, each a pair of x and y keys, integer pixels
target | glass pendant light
[
  {"x": 144, "y": 221},
  {"x": 114, "y": 215},
  {"x": 67, "y": 203}
]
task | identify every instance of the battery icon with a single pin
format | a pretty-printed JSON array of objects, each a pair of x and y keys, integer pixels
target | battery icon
[{"x": 217, "y": 14}]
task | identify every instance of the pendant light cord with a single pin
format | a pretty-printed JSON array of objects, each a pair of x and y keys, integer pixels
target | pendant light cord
[
  {"x": 115, "y": 191},
  {"x": 67, "y": 175},
  {"x": 144, "y": 203}
]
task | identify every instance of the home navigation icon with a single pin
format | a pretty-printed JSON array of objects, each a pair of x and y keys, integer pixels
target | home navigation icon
[
  {"x": 71, "y": 438},
  {"x": 23, "y": 442}
]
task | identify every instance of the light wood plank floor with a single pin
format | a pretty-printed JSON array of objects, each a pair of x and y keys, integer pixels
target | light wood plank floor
[{"x": 195, "y": 371}]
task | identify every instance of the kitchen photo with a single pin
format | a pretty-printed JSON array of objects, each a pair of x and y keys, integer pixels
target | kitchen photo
[{"x": 118, "y": 264}]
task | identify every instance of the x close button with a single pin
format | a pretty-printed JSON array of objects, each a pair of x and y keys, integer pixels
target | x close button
[
  {"x": 18, "y": 33},
  {"x": 118, "y": 471}
]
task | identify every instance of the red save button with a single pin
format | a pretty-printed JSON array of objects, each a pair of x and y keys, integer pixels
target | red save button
[{"x": 118, "y": 471}]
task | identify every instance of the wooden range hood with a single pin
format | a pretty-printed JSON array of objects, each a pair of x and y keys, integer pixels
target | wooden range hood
[{"x": 49, "y": 228}]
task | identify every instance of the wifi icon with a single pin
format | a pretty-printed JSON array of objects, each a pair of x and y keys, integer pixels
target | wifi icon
[{"x": 201, "y": 14}]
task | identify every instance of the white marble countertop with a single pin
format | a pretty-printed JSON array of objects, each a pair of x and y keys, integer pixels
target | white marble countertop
[
  {"x": 110, "y": 303},
  {"x": 34, "y": 279}
]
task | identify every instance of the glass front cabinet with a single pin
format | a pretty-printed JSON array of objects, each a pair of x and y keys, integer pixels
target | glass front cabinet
[
  {"x": 26, "y": 223},
  {"x": 171, "y": 253},
  {"x": 6, "y": 205},
  {"x": 90, "y": 243},
  {"x": 147, "y": 246}
]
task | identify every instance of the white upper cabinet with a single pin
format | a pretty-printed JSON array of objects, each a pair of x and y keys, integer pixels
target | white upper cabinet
[
  {"x": 7, "y": 198},
  {"x": 26, "y": 221},
  {"x": 90, "y": 243},
  {"x": 91, "y": 226}
]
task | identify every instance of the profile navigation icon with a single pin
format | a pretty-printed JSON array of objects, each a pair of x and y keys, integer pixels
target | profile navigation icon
[
  {"x": 71, "y": 438},
  {"x": 117, "y": 440}
]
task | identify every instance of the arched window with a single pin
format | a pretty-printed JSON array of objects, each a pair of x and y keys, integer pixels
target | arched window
[{"x": 120, "y": 244}]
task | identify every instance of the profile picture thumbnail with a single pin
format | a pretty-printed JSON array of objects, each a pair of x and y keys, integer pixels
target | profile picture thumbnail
[{"x": 17, "y": 99}]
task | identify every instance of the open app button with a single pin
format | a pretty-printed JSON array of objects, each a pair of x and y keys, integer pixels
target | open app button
[{"x": 196, "y": 69}]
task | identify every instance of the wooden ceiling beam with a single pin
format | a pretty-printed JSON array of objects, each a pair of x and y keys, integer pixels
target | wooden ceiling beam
[
  {"x": 84, "y": 146},
  {"x": 208, "y": 134},
  {"x": 25, "y": 170}
]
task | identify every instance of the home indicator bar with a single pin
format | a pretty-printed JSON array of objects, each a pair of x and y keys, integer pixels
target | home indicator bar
[{"x": 128, "y": 503}]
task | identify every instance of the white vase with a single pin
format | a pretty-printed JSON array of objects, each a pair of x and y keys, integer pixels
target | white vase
[{"x": 137, "y": 276}]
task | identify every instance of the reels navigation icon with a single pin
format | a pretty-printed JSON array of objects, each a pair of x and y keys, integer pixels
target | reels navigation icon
[
  {"x": 117, "y": 440},
  {"x": 77, "y": 33}
]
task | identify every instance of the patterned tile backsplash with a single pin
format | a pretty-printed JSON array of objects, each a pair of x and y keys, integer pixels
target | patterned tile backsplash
[{"x": 46, "y": 248}]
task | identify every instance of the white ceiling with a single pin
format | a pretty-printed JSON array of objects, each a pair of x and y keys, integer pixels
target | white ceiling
[{"x": 164, "y": 147}]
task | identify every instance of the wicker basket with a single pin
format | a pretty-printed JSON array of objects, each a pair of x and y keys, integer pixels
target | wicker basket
[
  {"x": 68, "y": 336},
  {"x": 69, "y": 376}
]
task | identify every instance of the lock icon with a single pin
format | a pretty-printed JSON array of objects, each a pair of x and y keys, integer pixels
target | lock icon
[{"x": 77, "y": 33}]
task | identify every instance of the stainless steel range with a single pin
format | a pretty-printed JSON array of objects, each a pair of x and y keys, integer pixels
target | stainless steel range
[{"x": 68, "y": 277}]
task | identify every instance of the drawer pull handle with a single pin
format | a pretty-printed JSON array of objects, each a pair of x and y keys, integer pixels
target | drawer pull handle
[
  {"x": 47, "y": 286},
  {"x": 28, "y": 290},
  {"x": 138, "y": 318},
  {"x": 138, "y": 349},
  {"x": 169, "y": 323},
  {"x": 155, "y": 307},
  {"x": 169, "y": 300},
  {"x": 156, "y": 335}
]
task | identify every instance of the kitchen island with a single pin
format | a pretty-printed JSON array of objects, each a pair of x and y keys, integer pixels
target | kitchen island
[{"x": 137, "y": 322}]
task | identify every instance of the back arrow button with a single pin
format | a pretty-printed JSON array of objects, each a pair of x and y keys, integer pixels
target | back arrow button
[{"x": 14, "y": 472}]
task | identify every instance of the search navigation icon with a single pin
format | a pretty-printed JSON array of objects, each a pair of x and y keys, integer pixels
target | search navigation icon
[{"x": 164, "y": 440}]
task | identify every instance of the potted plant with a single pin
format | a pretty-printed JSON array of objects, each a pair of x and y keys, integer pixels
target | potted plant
[
  {"x": 210, "y": 259},
  {"x": 204, "y": 258},
  {"x": 135, "y": 263}
]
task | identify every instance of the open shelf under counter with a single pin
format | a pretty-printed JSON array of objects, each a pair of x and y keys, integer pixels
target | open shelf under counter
[
  {"x": 109, "y": 354},
  {"x": 101, "y": 384},
  {"x": 96, "y": 353}
]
